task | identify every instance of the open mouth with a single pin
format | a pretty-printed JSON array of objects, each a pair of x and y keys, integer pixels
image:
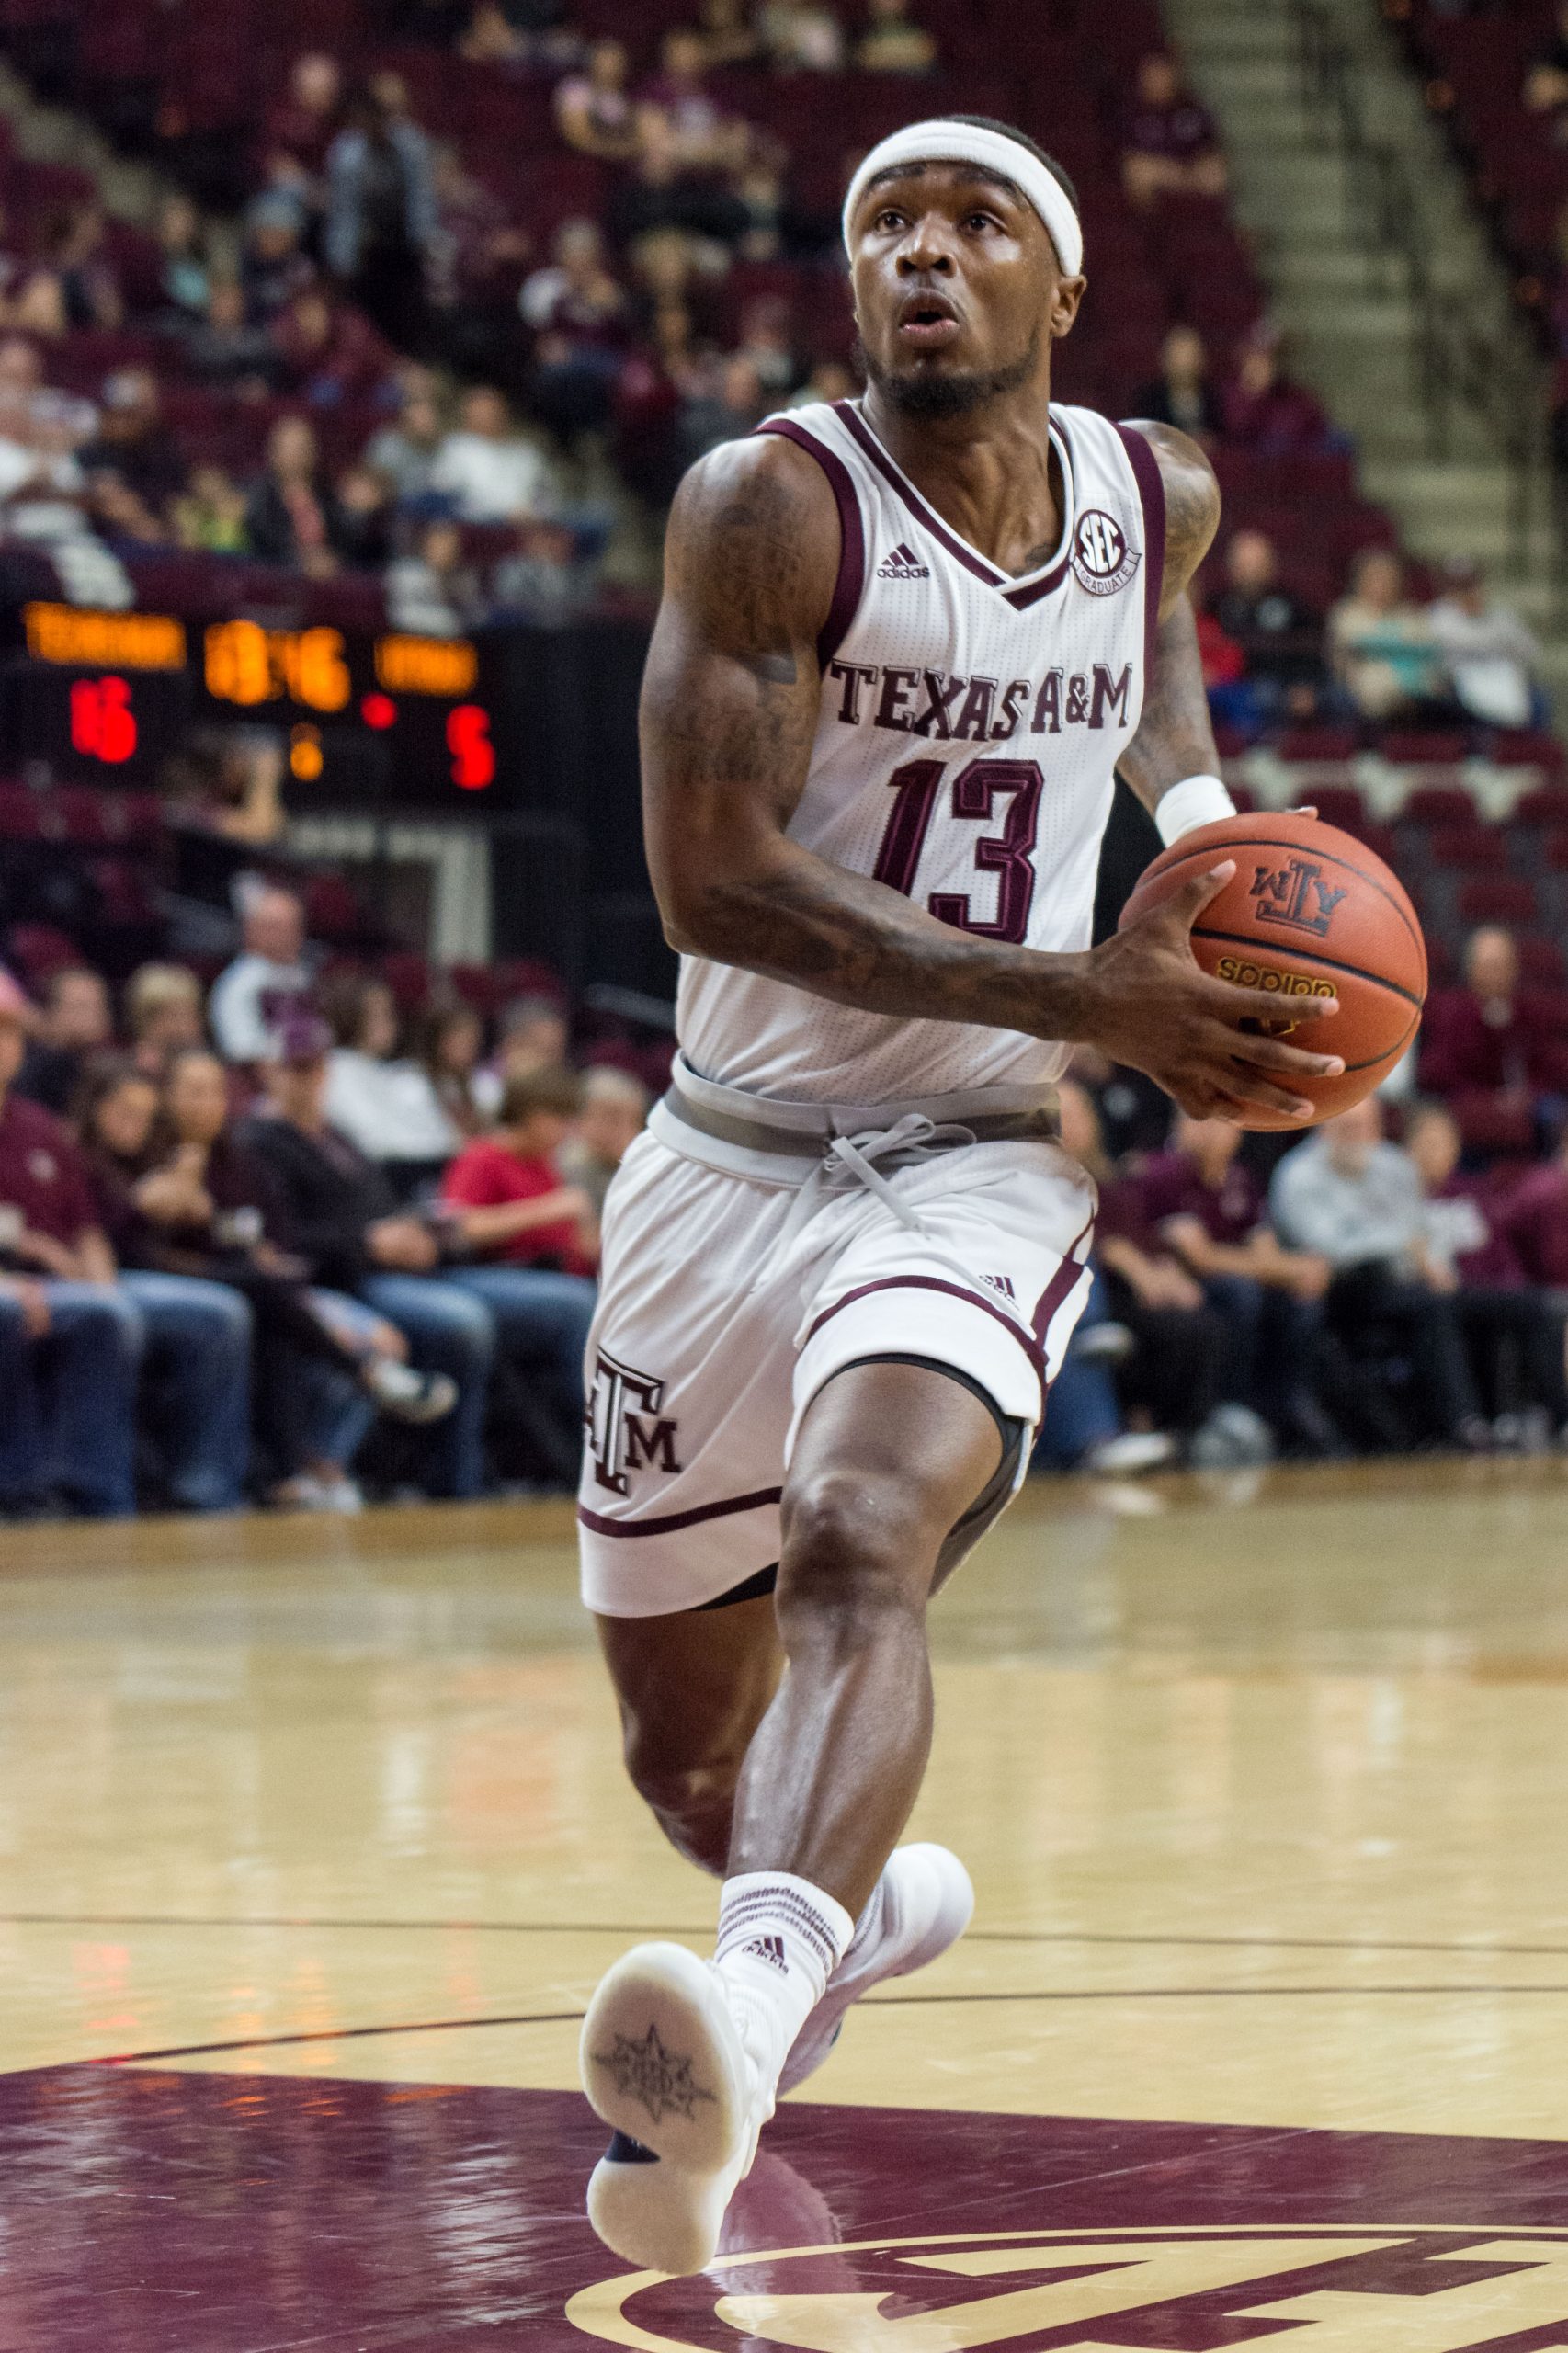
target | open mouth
[{"x": 928, "y": 322}]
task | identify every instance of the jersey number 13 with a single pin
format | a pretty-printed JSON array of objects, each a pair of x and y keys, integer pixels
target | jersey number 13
[{"x": 1008, "y": 854}]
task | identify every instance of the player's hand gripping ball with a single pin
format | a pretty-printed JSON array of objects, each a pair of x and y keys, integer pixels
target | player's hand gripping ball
[{"x": 1308, "y": 912}]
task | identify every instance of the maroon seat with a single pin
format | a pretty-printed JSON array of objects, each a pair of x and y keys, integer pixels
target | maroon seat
[
  {"x": 1498, "y": 899},
  {"x": 1473, "y": 849},
  {"x": 1338, "y": 805},
  {"x": 1439, "y": 804},
  {"x": 1541, "y": 962},
  {"x": 1319, "y": 743}
]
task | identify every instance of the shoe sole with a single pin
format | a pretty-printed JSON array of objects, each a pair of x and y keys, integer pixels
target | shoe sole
[
  {"x": 661, "y": 2064},
  {"x": 822, "y": 2029}
]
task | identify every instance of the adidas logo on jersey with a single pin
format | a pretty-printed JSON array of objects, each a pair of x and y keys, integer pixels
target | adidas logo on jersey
[
  {"x": 769, "y": 1949},
  {"x": 903, "y": 564}
]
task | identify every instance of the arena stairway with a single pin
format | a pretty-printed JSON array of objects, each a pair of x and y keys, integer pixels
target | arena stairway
[{"x": 1343, "y": 292}]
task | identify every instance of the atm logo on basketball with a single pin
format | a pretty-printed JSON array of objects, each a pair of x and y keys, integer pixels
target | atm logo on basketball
[
  {"x": 1296, "y": 894},
  {"x": 1354, "y": 2289}
]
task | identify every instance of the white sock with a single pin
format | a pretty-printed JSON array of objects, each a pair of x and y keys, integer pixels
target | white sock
[
  {"x": 868, "y": 1926},
  {"x": 779, "y": 1941}
]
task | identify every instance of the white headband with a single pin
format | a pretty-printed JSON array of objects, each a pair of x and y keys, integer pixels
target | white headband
[{"x": 941, "y": 142}]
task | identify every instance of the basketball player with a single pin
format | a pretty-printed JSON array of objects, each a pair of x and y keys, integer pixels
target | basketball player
[{"x": 905, "y": 644}]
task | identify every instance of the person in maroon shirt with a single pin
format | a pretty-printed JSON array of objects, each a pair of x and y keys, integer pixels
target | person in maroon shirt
[
  {"x": 70, "y": 1343},
  {"x": 1210, "y": 1211},
  {"x": 1470, "y": 1253},
  {"x": 1168, "y": 141},
  {"x": 1493, "y": 1050},
  {"x": 1535, "y": 1222}
]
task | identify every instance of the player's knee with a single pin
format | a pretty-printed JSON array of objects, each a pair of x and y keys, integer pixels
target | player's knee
[
  {"x": 856, "y": 1552},
  {"x": 677, "y": 1782}
]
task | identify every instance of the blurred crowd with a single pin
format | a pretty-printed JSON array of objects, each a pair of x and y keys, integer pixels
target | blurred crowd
[
  {"x": 254, "y": 1235},
  {"x": 282, "y": 1240}
]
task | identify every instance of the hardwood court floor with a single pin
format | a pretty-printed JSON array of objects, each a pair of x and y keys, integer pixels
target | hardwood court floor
[{"x": 1264, "y": 1786}]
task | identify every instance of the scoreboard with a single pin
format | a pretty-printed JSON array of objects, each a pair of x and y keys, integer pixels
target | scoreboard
[{"x": 394, "y": 718}]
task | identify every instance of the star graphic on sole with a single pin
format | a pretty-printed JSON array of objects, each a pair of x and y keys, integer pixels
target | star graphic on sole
[{"x": 659, "y": 2080}]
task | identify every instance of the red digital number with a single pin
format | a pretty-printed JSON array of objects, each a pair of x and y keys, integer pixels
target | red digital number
[
  {"x": 1009, "y": 854},
  {"x": 473, "y": 754},
  {"x": 103, "y": 724}
]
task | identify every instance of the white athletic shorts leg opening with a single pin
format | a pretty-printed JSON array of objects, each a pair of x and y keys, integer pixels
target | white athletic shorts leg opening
[{"x": 714, "y": 1333}]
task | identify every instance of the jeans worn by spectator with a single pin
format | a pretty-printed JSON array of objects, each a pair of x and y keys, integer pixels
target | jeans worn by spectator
[
  {"x": 448, "y": 1330},
  {"x": 1271, "y": 1347},
  {"x": 196, "y": 1352},
  {"x": 542, "y": 1321},
  {"x": 69, "y": 1424},
  {"x": 1374, "y": 1310}
]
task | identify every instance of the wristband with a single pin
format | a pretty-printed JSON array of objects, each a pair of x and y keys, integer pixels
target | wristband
[{"x": 1197, "y": 800}]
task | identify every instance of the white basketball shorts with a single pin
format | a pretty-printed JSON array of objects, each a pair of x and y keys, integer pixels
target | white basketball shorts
[{"x": 716, "y": 1327}]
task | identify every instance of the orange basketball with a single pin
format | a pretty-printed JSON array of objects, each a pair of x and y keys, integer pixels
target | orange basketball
[{"x": 1308, "y": 913}]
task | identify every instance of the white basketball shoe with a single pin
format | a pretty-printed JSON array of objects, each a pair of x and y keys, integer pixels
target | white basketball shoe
[
  {"x": 927, "y": 1902},
  {"x": 664, "y": 2064}
]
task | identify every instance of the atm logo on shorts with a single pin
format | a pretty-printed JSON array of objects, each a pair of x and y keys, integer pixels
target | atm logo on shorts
[
  {"x": 1295, "y": 894},
  {"x": 625, "y": 1432},
  {"x": 1440, "y": 2290}
]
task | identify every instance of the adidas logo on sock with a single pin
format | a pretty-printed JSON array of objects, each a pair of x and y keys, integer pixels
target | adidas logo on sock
[
  {"x": 771, "y": 1950},
  {"x": 903, "y": 564}
]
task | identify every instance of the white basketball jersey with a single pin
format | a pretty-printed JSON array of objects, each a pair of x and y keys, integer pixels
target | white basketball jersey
[{"x": 965, "y": 753}]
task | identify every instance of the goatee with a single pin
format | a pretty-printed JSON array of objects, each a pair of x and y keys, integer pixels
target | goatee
[{"x": 933, "y": 396}]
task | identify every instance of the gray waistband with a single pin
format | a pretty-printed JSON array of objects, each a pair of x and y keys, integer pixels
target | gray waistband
[{"x": 1041, "y": 1124}]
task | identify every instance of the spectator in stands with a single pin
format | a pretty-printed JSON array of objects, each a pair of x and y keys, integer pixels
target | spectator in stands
[
  {"x": 1535, "y": 1225},
  {"x": 450, "y": 1042},
  {"x": 892, "y": 42},
  {"x": 530, "y": 1237},
  {"x": 488, "y": 471},
  {"x": 1262, "y": 409},
  {"x": 612, "y": 1115},
  {"x": 1490, "y": 1049},
  {"x": 514, "y": 1205},
  {"x": 32, "y": 299},
  {"x": 74, "y": 255},
  {"x": 490, "y": 39},
  {"x": 273, "y": 262},
  {"x": 534, "y": 1036},
  {"x": 290, "y": 513},
  {"x": 209, "y": 516},
  {"x": 593, "y": 111},
  {"x": 549, "y": 576},
  {"x": 133, "y": 440},
  {"x": 435, "y": 591},
  {"x": 1345, "y": 1195},
  {"x": 578, "y": 315},
  {"x": 191, "y": 1343},
  {"x": 267, "y": 983},
  {"x": 729, "y": 37},
  {"x": 340, "y": 1215},
  {"x": 119, "y": 518},
  {"x": 704, "y": 140},
  {"x": 162, "y": 1016},
  {"x": 227, "y": 348},
  {"x": 1171, "y": 1381},
  {"x": 1169, "y": 146},
  {"x": 1490, "y": 659},
  {"x": 802, "y": 36},
  {"x": 384, "y": 1104},
  {"x": 75, "y": 1022},
  {"x": 1209, "y": 1208},
  {"x": 227, "y": 782},
  {"x": 1545, "y": 87},
  {"x": 1502, "y": 1317},
  {"x": 1382, "y": 643},
  {"x": 301, "y": 127},
  {"x": 362, "y": 517},
  {"x": 1280, "y": 639},
  {"x": 184, "y": 274},
  {"x": 768, "y": 343},
  {"x": 69, "y": 1340},
  {"x": 381, "y": 224},
  {"x": 1181, "y": 394},
  {"x": 724, "y": 405},
  {"x": 327, "y": 353},
  {"x": 404, "y": 454}
]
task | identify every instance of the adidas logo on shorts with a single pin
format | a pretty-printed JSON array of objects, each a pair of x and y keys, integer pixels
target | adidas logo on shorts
[
  {"x": 903, "y": 564},
  {"x": 769, "y": 1949}
]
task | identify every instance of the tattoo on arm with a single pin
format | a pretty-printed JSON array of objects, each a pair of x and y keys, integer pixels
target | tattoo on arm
[{"x": 1176, "y": 736}]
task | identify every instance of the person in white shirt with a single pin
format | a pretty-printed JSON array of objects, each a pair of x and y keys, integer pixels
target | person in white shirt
[
  {"x": 263, "y": 984},
  {"x": 490, "y": 474},
  {"x": 386, "y": 1105},
  {"x": 1491, "y": 659}
]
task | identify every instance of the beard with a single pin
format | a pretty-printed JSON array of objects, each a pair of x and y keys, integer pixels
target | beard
[{"x": 932, "y": 396}]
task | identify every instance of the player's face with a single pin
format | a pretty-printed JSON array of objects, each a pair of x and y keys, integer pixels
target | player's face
[{"x": 959, "y": 292}]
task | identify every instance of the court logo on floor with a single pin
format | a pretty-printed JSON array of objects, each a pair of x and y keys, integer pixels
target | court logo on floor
[{"x": 1436, "y": 2290}]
